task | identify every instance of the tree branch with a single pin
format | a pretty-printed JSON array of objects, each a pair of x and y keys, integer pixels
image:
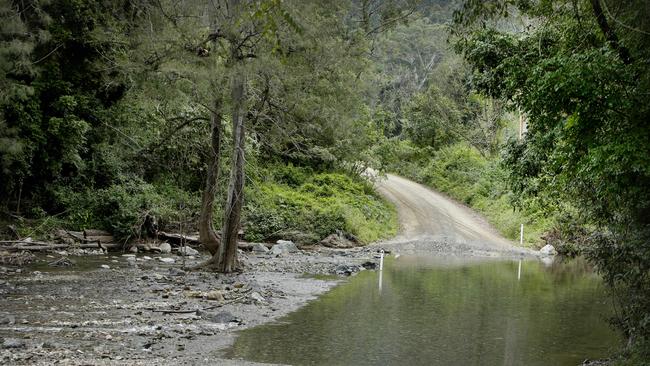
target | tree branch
[{"x": 609, "y": 33}]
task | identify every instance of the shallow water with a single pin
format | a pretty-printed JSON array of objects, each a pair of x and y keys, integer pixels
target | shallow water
[{"x": 441, "y": 311}]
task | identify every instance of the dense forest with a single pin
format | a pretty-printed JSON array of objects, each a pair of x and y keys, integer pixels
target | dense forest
[{"x": 134, "y": 116}]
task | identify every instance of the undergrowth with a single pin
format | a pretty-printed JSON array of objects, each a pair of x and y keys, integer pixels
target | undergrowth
[{"x": 282, "y": 202}]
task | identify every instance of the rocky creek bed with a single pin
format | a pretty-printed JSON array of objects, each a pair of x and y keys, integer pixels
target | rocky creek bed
[{"x": 137, "y": 309}]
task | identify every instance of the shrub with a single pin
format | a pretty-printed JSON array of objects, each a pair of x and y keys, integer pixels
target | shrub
[{"x": 321, "y": 205}]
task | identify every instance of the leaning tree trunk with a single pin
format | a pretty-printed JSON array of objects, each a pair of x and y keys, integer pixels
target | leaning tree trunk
[
  {"x": 207, "y": 234},
  {"x": 227, "y": 255}
]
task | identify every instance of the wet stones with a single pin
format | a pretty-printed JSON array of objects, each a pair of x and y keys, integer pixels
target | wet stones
[
  {"x": 61, "y": 262},
  {"x": 347, "y": 269}
]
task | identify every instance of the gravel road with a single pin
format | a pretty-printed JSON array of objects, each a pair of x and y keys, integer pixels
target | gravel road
[{"x": 431, "y": 223}]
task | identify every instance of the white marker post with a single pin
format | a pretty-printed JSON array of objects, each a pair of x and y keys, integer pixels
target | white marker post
[
  {"x": 521, "y": 235},
  {"x": 381, "y": 260},
  {"x": 519, "y": 271}
]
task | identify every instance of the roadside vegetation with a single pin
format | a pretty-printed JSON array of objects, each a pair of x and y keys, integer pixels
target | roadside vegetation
[
  {"x": 534, "y": 113},
  {"x": 480, "y": 182}
]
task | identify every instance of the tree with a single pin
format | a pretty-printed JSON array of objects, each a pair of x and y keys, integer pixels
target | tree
[{"x": 577, "y": 70}]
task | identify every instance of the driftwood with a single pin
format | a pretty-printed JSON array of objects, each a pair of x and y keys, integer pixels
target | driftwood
[
  {"x": 101, "y": 239},
  {"x": 37, "y": 246},
  {"x": 176, "y": 239},
  {"x": 43, "y": 246},
  {"x": 94, "y": 232}
]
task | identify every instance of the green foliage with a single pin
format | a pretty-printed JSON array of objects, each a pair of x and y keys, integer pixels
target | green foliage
[
  {"x": 582, "y": 80},
  {"x": 308, "y": 207},
  {"x": 123, "y": 207}
]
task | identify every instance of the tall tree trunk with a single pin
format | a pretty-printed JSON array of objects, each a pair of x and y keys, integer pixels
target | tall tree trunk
[
  {"x": 609, "y": 33},
  {"x": 227, "y": 255},
  {"x": 207, "y": 234}
]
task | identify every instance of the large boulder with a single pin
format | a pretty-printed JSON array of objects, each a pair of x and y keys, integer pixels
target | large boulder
[
  {"x": 284, "y": 246},
  {"x": 548, "y": 250},
  {"x": 337, "y": 241}
]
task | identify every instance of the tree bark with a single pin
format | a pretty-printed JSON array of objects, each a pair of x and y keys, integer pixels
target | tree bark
[
  {"x": 227, "y": 255},
  {"x": 609, "y": 33},
  {"x": 207, "y": 234}
]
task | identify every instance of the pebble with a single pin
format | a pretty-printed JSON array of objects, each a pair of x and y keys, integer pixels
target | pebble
[
  {"x": 167, "y": 260},
  {"x": 105, "y": 266}
]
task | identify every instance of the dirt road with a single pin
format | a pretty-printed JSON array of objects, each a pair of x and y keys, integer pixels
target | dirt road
[{"x": 433, "y": 223}]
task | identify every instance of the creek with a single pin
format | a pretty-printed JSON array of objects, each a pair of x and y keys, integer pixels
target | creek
[{"x": 445, "y": 311}]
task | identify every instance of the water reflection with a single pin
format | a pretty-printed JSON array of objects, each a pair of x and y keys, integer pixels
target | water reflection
[{"x": 441, "y": 311}]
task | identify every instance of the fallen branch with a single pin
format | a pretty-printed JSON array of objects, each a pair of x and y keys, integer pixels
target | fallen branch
[
  {"x": 177, "y": 239},
  {"x": 200, "y": 309},
  {"x": 42, "y": 246}
]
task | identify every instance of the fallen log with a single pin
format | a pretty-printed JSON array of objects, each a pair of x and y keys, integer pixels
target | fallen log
[
  {"x": 101, "y": 238},
  {"x": 43, "y": 246},
  {"x": 177, "y": 239},
  {"x": 95, "y": 232}
]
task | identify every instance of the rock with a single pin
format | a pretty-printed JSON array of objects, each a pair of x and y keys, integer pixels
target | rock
[
  {"x": 176, "y": 272},
  {"x": 13, "y": 343},
  {"x": 62, "y": 262},
  {"x": 165, "y": 248},
  {"x": 8, "y": 320},
  {"x": 260, "y": 248},
  {"x": 369, "y": 265},
  {"x": 346, "y": 270},
  {"x": 223, "y": 317},
  {"x": 214, "y": 295},
  {"x": 548, "y": 249},
  {"x": 188, "y": 251},
  {"x": 547, "y": 261},
  {"x": 167, "y": 260},
  {"x": 133, "y": 249},
  {"x": 284, "y": 246},
  {"x": 105, "y": 266},
  {"x": 337, "y": 241},
  {"x": 147, "y": 258},
  {"x": 257, "y": 297}
]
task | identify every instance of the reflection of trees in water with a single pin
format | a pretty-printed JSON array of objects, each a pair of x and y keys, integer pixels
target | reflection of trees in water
[{"x": 473, "y": 314}]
